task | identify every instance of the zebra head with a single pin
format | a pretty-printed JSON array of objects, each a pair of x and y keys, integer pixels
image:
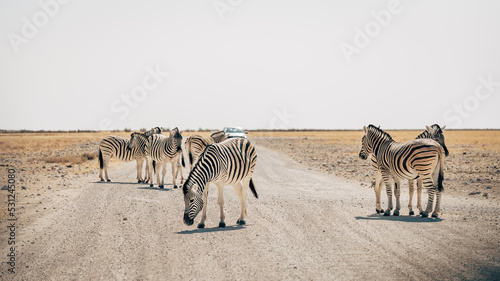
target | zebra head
[
  {"x": 436, "y": 133},
  {"x": 373, "y": 135},
  {"x": 193, "y": 201},
  {"x": 134, "y": 141},
  {"x": 177, "y": 137}
]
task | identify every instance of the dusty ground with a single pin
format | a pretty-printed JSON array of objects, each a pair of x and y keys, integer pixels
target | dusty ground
[{"x": 306, "y": 224}]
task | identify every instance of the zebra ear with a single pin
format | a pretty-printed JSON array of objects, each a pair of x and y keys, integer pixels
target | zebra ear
[
  {"x": 442, "y": 129},
  {"x": 365, "y": 129},
  {"x": 428, "y": 129}
]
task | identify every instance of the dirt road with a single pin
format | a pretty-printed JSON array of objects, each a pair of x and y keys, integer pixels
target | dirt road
[{"x": 305, "y": 225}]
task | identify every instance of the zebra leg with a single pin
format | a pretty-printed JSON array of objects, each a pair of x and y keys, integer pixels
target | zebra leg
[
  {"x": 204, "y": 210},
  {"x": 150, "y": 172},
  {"x": 397, "y": 193},
  {"x": 140, "y": 162},
  {"x": 174, "y": 171},
  {"x": 100, "y": 174},
  {"x": 419, "y": 196},
  {"x": 179, "y": 169},
  {"x": 106, "y": 170},
  {"x": 146, "y": 172},
  {"x": 387, "y": 182},
  {"x": 242, "y": 193},
  {"x": 163, "y": 172},
  {"x": 438, "y": 204},
  {"x": 431, "y": 190},
  {"x": 412, "y": 189},
  {"x": 378, "y": 189},
  {"x": 220, "y": 200}
]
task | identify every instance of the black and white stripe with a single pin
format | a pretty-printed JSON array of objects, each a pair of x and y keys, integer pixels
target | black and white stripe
[
  {"x": 195, "y": 144},
  {"x": 231, "y": 162},
  {"x": 434, "y": 132},
  {"x": 420, "y": 158},
  {"x": 162, "y": 150},
  {"x": 125, "y": 150}
]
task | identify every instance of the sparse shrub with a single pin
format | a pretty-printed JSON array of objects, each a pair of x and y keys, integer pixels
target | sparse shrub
[
  {"x": 127, "y": 130},
  {"x": 71, "y": 159},
  {"x": 90, "y": 156}
]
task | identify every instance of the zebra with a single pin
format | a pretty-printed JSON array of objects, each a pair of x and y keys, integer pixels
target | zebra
[
  {"x": 122, "y": 149},
  {"x": 162, "y": 149},
  {"x": 231, "y": 162},
  {"x": 434, "y": 132},
  {"x": 195, "y": 144},
  {"x": 420, "y": 158}
]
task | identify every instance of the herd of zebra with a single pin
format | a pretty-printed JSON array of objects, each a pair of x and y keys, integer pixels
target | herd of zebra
[
  {"x": 215, "y": 159},
  {"x": 222, "y": 161}
]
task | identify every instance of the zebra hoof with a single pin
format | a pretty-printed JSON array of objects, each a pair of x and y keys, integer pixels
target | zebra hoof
[
  {"x": 102, "y": 179},
  {"x": 424, "y": 215},
  {"x": 175, "y": 186},
  {"x": 379, "y": 211},
  {"x": 139, "y": 181},
  {"x": 201, "y": 225},
  {"x": 434, "y": 215},
  {"x": 386, "y": 214},
  {"x": 412, "y": 213},
  {"x": 396, "y": 213},
  {"x": 161, "y": 186},
  {"x": 151, "y": 185},
  {"x": 241, "y": 222},
  {"x": 222, "y": 224},
  {"x": 108, "y": 180}
]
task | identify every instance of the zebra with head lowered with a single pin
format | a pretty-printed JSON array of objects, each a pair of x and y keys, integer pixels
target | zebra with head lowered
[
  {"x": 420, "y": 158},
  {"x": 122, "y": 149},
  {"x": 162, "y": 149},
  {"x": 195, "y": 144},
  {"x": 434, "y": 132},
  {"x": 231, "y": 162}
]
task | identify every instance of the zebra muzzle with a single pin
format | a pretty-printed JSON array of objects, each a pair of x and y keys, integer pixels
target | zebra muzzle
[{"x": 187, "y": 220}]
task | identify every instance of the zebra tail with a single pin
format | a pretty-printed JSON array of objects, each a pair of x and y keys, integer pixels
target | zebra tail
[
  {"x": 154, "y": 166},
  {"x": 182, "y": 160},
  {"x": 252, "y": 188},
  {"x": 441, "y": 170},
  {"x": 101, "y": 162}
]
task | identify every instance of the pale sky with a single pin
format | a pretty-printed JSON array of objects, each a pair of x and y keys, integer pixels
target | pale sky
[{"x": 253, "y": 63}]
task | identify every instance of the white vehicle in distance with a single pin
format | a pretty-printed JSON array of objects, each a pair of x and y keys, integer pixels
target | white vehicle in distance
[{"x": 235, "y": 132}]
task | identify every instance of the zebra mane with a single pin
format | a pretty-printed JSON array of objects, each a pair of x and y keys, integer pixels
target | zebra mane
[
  {"x": 185, "y": 187},
  {"x": 380, "y": 131}
]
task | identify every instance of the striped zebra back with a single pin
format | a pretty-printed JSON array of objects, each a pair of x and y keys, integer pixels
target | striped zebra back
[
  {"x": 229, "y": 162},
  {"x": 401, "y": 158},
  {"x": 160, "y": 147},
  {"x": 195, "y": 144},
  {"x": 118, "y": 147}
]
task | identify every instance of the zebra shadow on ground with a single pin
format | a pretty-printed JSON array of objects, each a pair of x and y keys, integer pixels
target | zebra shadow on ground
[
  {"x": 417, "y": 219},
  {"x": 115, "y": 182},
  {"x": 168, "y": 187},
  {"x": 213, "y": 229}
]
